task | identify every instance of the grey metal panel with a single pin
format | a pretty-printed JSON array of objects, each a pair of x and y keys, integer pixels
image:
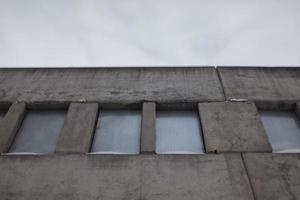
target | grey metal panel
[
  {"x": 39, "y": 132},
  {"x": 178, "y": 132},
  {"x": 117, "y": 132},
  {"x": 283, "y": 130}
]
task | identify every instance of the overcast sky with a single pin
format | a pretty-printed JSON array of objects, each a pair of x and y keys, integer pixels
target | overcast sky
[{"x": 149, "y": 32}]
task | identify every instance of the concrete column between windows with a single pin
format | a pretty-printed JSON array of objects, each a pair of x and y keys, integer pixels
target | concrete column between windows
[
  {"x": 10, "y": 125},
  {"x": 298, "y": 109},
  {"x": 148, "y": 128},
  {"x": 77, "y": 133}
]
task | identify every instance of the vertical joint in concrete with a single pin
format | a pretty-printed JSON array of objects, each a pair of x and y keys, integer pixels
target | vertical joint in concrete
[
  {"x": 298, "y": 109},
  {"x": 148, "y": 128},
  {"x": 10, "y": 125},
  {"x": 77, "y": 133}
]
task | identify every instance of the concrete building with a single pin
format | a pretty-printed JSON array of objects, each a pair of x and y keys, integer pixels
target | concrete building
[{"x": 150, "y": 133}]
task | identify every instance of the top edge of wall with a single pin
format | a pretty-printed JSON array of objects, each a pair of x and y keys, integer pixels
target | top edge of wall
[{"x": 146, "y": 67}]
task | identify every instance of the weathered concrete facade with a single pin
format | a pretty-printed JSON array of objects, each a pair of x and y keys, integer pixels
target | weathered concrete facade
[
  {"x": 248, "y": 134},
  {"x": 238, "y": 164},
  {"x": 11, "y": 124},
  {"x": 261, "y": 84},
  {"x": 123, "y": 86},
  {"x": 274, "y": 176},
  {"x": 124, "y": 177},
  {"x": 148, "y": 128},
  {"x": 78, "y": 128}
]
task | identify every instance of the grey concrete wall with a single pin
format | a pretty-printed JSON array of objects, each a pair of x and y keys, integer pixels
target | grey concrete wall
[
  {"x": 233, "y": 127},
  {"x": 228, "y": 127},
  {"x": 274, "y": 176},
  {"x": 124, "y": 177},
  {"x": 261, "y": 84},
  {"x": 112, "y": 86}
]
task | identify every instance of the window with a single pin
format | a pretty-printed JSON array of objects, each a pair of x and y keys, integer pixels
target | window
[
  {"x": 117, "y": 132},
  {"x": 178, "y": 132},
  {"x": 283, "y": 130},
  {"x": 39, "y": 132},
  {"x": 2, "y": 114}
]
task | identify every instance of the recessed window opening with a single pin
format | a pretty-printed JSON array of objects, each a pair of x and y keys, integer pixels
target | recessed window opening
[
  {"x": 117, "y": 132},
  {"x": 283, "y": 130},
  {"x": 39, "y": 132},
  {"x": 2, "y": 114},
  {"x": 178, "y": 132}
]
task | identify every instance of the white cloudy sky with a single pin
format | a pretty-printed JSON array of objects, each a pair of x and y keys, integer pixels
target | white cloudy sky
[{"x": 149, "y": 32}]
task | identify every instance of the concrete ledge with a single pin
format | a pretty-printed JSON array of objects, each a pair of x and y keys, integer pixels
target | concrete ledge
[
  {"x": 148, "y": 128},
  {"x": 116, "y": 86},
  {"x": 274, "y": 176},
  {"x": 77, "y": 132},
  {"x": 10, "y": 125},
  {"x": 168, "y": 177},
  {"x": 261, "y": 83},
  {"x": 232, "y": 127}
]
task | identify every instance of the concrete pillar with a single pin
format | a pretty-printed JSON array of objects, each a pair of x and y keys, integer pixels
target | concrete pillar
[
  {"x": 298, "y": 109},
  {"x": 148, "y": 128},
  {"x": 78, "y": 130},
  {"x": 10, "y": 125}
]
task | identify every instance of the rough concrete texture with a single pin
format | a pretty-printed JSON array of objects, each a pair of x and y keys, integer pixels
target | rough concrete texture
[
  {"x": 261, "y": 83},
  {"x": 148, "y": 128},
  {"x": 77, "y": 132},
  {"x": 232, "y": 127},
  {"x": 124, "y": 177},
  {"x": 274, "y": 176},
  {"x": 10, "y": 125},
  {"x": 114, "y": 85}
]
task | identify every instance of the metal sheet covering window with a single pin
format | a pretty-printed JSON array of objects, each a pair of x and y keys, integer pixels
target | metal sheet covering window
[
  {"x": 178, "y": 132},
  {"x": 117, "y": 132},
  {"x": 283, "y": 130},
  {"x": 39, "y": 132}
]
